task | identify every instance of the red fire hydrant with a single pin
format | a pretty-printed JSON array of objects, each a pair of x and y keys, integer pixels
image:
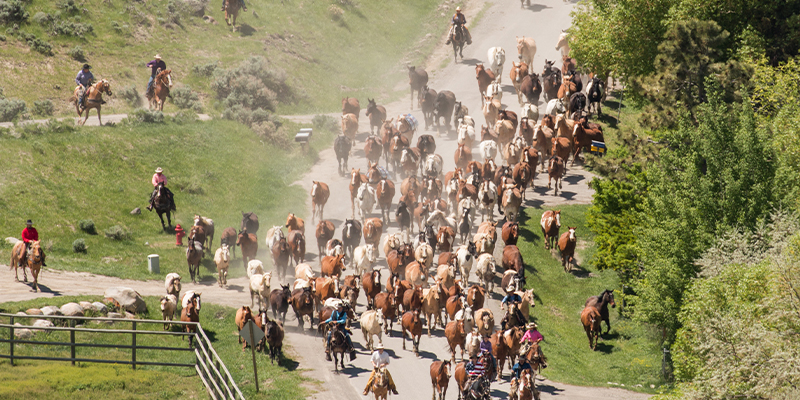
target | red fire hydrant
[{"x": 179, "y": 234}]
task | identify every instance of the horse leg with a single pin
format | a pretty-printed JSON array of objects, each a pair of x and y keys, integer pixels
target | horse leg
[
  {"x": 35, "y": 274},
  {"x": 100, "y": 120}
]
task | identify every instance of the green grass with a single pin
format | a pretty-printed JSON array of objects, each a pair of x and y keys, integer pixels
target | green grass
[
  {"x": 216, "y": 169},
  {"x": 36, "y": 380},
  {"x": 629, "y": 355},
  {"x": 362, "y": 54}
]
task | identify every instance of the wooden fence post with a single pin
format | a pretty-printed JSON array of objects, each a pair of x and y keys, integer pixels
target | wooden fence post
[{"x": 133, "y": 346}]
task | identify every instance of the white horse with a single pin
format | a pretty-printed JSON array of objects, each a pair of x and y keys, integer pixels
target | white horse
[
  {"x": 304, "y": 271},
  {"x": 274, "y": 235},
  {"x": 554, "y": 107},
  {"x": 488, "y": 149},
  {"x": 487, "y": 199},
  {"x": 464, "y": 261},
  {"x": 364, "y": 258},
  {"x": 466, "y": 133},
  {"x": 497, "y": 57},
  {"x": 472, "y": 343},
  {"x": 495, "y": 90},
  {"x": 526, "y": 50},
  {"x": 485, "y": 271},
  {"x": 438, "y": 220},
  {"x": 563, "y": 44},
  {"x": 466, "y": 315},
  {"x": 333, "y": 250},
  {"x": 531, "y": 111},
  {"x": 433, "y": 166},
  {"x": 365, "y": 200},
  {"x": 372, "y": 324},
  {"x": 254, "y": 267}
]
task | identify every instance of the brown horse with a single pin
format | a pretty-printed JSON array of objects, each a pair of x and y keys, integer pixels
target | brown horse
[
  {"x": 417, "y": 79},
  {"x": 93, "y": 99},
  {"x": 412, "y": 326},
  {"x": 566, "y": 244},
  {"x": 462, "y": 156},
  {"x": 387, "y": 304},
  {"x": 371, "y": 282},
  {"x": 232, "y": 12},
  {"x": 456, "y": 336},
  {"x": 194, "y": 252},
  {"x": 190, "y": 314},
  {"x": 601, "y": 303},
  {"x": 249, "y": 244},
  {"x": 297, "y": 245},
  {"x": 373, "y": 229},
  {"x": 295, "y": 223},
  {"x": 274, "y": 333},
  {"x": 584, "y": 135},
  {"x": 324, "y": 232},
  {"x": 385, "y": 193},
  {"x": 319, "y": 197},
  {"x": 376, "y": 115},
  {"x": 303, "y": 304},
  {"x": 33, "y": 262},
  {"x": 591, "y": 318},
  {"x": 243, "y": 315},
  {"x": 485, "y": 77},
  {"x": 440, "y": 378},
  {"x": 372, "y": 150},
  {"x": 519, "y": 70},
  {"x": 350, "y": 105},
  {"x": 161, "y": 85},
  {"x": 350, "y": 126},
  {"x": 551, "y": 224},
  {"x": 556, "y": 171}
]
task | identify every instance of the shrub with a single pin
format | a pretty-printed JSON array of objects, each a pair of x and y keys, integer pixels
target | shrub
[
  {"x": 253, "y": 87},
  {"x": 117, "y": 232},
  {"x": 70, "y": 28},
  {"x": 12, "y": 11},
  {"x": 205, "y": 70},
  {"x": 87, "y": 225},
  {"x": 245, "y": 116},
  {"x": 36, "y": 44},
  {"x": 131, "y": 96},
  {"x": 68, "y": 6},
  {"x": 51, "y": 126},
  {"x": 42, "y": 18},
  {"x": 184, "y": 98},
  {"x": 184, "y": 117},
  {"x": 142, "y": 115},
  {"x": 43, "y": 108},
  {"x": 275, "y": 135},
  {"x": 79, "y": 246},
  {"x": 188, "y": 185},
  {"x": 77, "y": 54},
  {"x": 325, "y": 123},
  {"x": 11, "y": 109},
  {"x": 335, "y": 12}
]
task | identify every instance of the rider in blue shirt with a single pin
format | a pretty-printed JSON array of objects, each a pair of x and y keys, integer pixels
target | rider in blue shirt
[
  {"x": 339, "y": 316},
  {"x": 513, "y": 298},
  {"x": 83, "y": 80},
  {"x": 459, "y": 21}
]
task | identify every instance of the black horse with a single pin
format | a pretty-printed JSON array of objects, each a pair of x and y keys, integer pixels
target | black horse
[
  {"x": 551, "y": 78},
  {"x": 601, "y": 303},
  {"x": 341, "y": 146},
  {"x": 338, "y": 345},
  {"x": 351, "y": 237},
  {"x": 250, "y": 222},
  {"x": 163, "y": 203}
]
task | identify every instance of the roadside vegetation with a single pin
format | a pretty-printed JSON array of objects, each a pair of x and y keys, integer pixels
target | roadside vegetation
[
  {"x": 696, "y": 207},
  {"x": 34, "y": 379}
]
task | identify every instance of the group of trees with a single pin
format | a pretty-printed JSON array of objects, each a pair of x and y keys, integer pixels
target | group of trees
[{"x": 696, "y": 211}]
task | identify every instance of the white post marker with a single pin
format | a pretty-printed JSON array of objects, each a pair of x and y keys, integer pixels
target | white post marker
[{"x": 252, "y": 335}]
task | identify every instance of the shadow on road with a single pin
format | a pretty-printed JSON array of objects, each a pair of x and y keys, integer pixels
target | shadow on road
[
  {"x": 536, "y": 7},
  {"x": 574, "y": 179},
  {"x": 552, "y": 390},
  {"x": 471, "y": 61}
]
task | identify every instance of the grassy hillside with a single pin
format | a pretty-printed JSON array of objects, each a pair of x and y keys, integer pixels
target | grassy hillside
[
  {"x": 329, "y": 49},
  {"x": 39, "y": 380},
  {"x": 629, "y": 355},
  {"x": 216, "y": 169}
]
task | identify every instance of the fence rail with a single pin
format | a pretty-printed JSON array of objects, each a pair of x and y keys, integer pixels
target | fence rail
[{"x": 210, "y": 368}]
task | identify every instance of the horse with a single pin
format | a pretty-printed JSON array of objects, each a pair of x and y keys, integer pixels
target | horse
[
  {"x": 456, "y": 337},
  {"x": 595, "y": 92},
  {"x": 577, "y": 102},
  {"x": 526, "y": 49},
  {"x": 350, "y": 126},
  {"x": 427, "y": 102},
  {"x": 485, "y": 77},
  {"x": 243, "y": 315},
  {"x": 376, "y": 115},
  {"x": 530, "y": 114},
  {"x": 443, "y": 108},
  {"x": 303, "y": 304},
  {"x": 356, "y": 179},
  {"x": 417, "y": 79},
  {"x": 341, "y": 146},
  {"x": 279, "y": 302},
  {"x": 194, "y": 252},
  {"x": 222, "y": 260},
  {"x": 319, "y": 197},
  {"x": 386, "y": 304},
  {"x": 490, "y": 108},
  {"x": 460, "y": 112},
  {"x": 232, "y": 12},
  {"x": 566, "y": 244},
  {"x": 551, "y": 81},
  {"x": 523, "y": 174},
  {"x": 556, "y": 171},
  {"x": 338, "y": 345},
  {"x": 426, "y": 145},
  {"x": 410, "y": 160},
  {"x": 373, "y": 149},
  {"x": 34, "y": 261},
  {"x": 543, "y": 142},
  {"x": 466, "y": 132},
  {"x": 601, "y": 303},
  {"x": 458, "y": 40},
  {"x": 583, "y": 136},
  {"x": 172, "y": 283},
  {"x": 563, "y": 44},
  {"x": 462, "y": 156},
  {"x": 384, "y": 192},
  {"x": 371, "y": 282},
  {"x": 484, "y": 321},
  {"x": 366, "y": 200},
  {"x": 373, "y": 229},
  {"x": 531, "y": 88},
  {"x": 412, "y": 325},
  {"x": 512, "y": 260},
  {"x": 93, "y": 97},
  {"x": 512, "y": 200},
  {"x": 567, "y": 88},
  {"x": 163, "y": 205},
  {"x": 371, "y": 322},
  {"x": 407, "y": 126},
  {"x": 440, "y": 378},
  {"x": 351, "y": 236},
  {"x": 249, "y": 244},
  {"x": 397, "y": 145},
  {"x": 350, "y": 105},
  {"x": 519, "y": 70},
  {"x": 190, "y": 313},
  {"x": 324, "y": 232},
  {"x": 403, "y": 217},
  {"x": 431, "y": 308},
  {"x": 551, "y": 224},
  {"x": 497, "y": 57},
  {"x": 510, "y": 233},
  {"x": 161, "y": 85},
  {"x": 591, "y": 318},
  {"x": 274, "y": 334},
  {"x": 297, "y": 245},
  {"x": 229, "y": 239},
  {"x": 332, "y": 266}
]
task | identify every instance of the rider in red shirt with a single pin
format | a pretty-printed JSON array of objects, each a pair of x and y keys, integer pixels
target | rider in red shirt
[{"x": 29, "y": 234}]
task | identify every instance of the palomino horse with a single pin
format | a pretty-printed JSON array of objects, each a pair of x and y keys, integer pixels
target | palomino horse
[
  {"x": 458, "y": 40},
  {"x": 161, "y": 85},
  {"x": 93, "y": 98},
  {"x": 380, "y": 385},
  {"x": 162, "y": 204},
  {"x": 34, "y": 262},
  {"x": 232, "y": 12}
]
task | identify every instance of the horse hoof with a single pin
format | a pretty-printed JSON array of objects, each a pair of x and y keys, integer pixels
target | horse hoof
[{"x": 16, "y": 279}]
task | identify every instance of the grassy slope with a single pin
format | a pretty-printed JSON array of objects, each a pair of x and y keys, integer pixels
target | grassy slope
[
  {"x": 103, "y": 173},
  {"x": 359, "y": 55},
  {"x": 37, "y": 380},
  {"x": 629, "y": 355}
]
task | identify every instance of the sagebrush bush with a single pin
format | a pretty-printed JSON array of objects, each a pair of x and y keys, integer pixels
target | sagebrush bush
[
  {"x": 11, "y": 109},
  {"x": 44, "y": 108},
  {"x": 270, "y": 133},
  {"x": 68, "y": 6},
  {"x": 87, "y": 225},
  {"x": 77, "y": 54},
  {"x": 12, "y": 11},
  {"x": 131, "y": 96},
  {"x": 185, "y": 98},
  {"x": 254, "y": 85},
  {"x": 52, "y": 125},
  {"x": 205, "y": 70},
  {"x": 183, "y": 117},
  {"x": 79, "y": 246},
  {"x": 42, "y": 18},
  {"x": 325, "y": 123},
  {"x": 117, "y": 232},
  {"x": 335, "y": 12},
  {"x": 71, "y": 28},
  {"x": 245, "y": 116},
  {"x": 143, "y": 115}
]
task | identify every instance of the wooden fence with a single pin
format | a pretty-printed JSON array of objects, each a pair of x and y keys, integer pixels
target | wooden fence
[{"x": 212, "y": 371}]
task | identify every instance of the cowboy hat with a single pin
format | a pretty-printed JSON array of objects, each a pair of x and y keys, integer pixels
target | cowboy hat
[
  {"x": 29, "y": 222},
  {"x": 157, "y": 57},
  {"x": 379, "y": 346},
  {"x": 159, "y": 170},
  {"x": 511, "y": 287},
  {"x": 531, "y": 325},
  {"x": 87, "y": 66},
  {"x": 458, "y": 8}
]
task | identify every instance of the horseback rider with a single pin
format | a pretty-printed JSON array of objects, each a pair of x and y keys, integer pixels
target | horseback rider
[
  {"x": 84, "y": 80},
  {"x": 459, "y": 22},
  {"x": 339, "y": 317},
  {"x": 244, "y": 7},
  {"x": 380, "y": 359},
  {"x": 155, "y": 65},
  {"x": 486, "y": 348},
  {"x": 522, "y": 364},
  {"x": 29, "y": 235},
  {"x": 512, "y": 298},
  {"x": 160, "y": 179},
  {"x": 476, "y": 370},
  {"x": 533, "y": 336}
]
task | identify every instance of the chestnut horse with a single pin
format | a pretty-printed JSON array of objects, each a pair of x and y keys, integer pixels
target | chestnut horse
[
  {"x": 376, "y": 115},
  {"x": 231, "y": 12},
  {"x": 551, "y": 224},
  {"x": 34, "y": 262},
  {"x": 566, "y": 244},
  {"x": 484, "y": 77},
  {"x": 93, "y": 99},
  {"x": 440, "y": 378},
  {"x": 161, "y": 85},
  {"x": 319, "y": 197},
  {"x": 249, "y": 244}
]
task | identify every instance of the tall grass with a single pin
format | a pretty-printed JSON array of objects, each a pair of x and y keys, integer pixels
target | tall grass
[
  {"x": 37, "y": 380},
  {"x": 629, "y": 355},
  {"x": 216, "y": 169}
]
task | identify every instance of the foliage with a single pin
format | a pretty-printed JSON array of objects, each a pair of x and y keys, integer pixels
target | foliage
[
  {"x": 205, "y": 70},
  {"x": 633, "y": 150},
  {"x": 691, "y": 53},
  {"x": 130, "y": 95},
  {"x": 185, "y": 98},
  {"x": 336, "y": 13},
  {"x": 325, "y": 123},
  {"x": 143, "y": 115},
  {"x": 254, "y": 85},
  {"x": 38, "y": 45},
  {"x": 117, "y": 232},
  {"x": 77, "y": 54},
  {"x": 774, "y": 88},
  {"x": 714, "y": 176},
  {"x": 68, "y": 6},
  {"x": 12, "y": 11},
  {"x": 184, "y": 117},
  {"x": 43, "y": 108},
  {"x": 52, "y": 126},
  {"x": 737, "y": 339},
  {"x": 11, "y": 109},
  {"x": 87, "y": 225},
  {"x": 79, "y": 245},
  {"x": 71, "y": 28}
]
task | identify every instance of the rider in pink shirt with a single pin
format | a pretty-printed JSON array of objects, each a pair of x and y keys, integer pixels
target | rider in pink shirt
[
  {"x": 533, "y": 336},
  {"x": 159, "y": 177}
]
